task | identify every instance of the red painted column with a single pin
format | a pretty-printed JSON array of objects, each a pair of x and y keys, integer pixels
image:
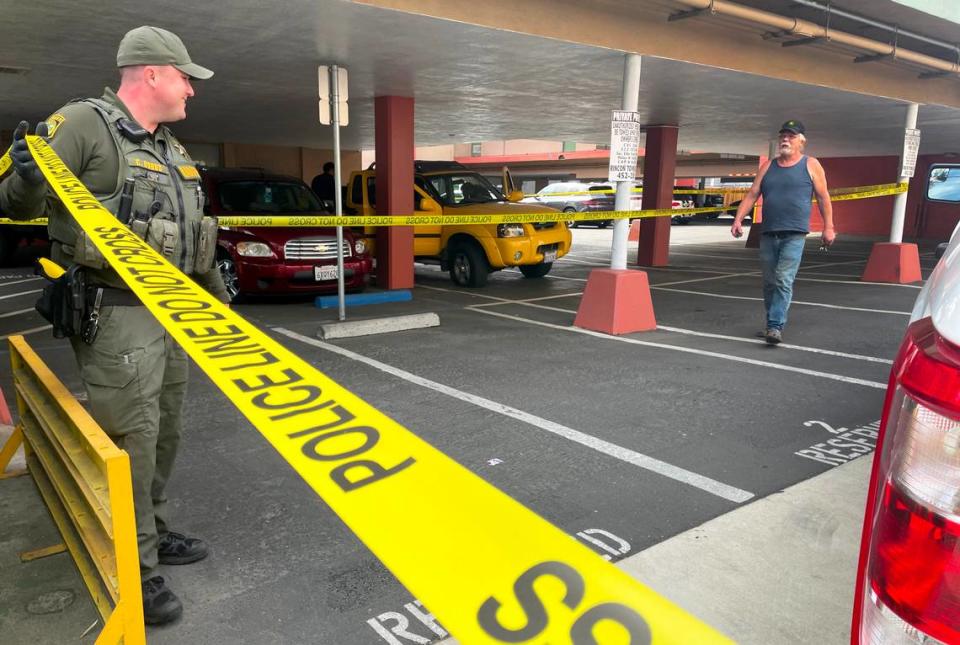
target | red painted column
[
  {"x": 393, "y": 138},
  {"x": 659, "y": 164}
]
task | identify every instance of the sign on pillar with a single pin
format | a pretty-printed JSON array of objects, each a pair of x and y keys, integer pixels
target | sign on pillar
[
  {"x": 911, "y": 147},
  {"x": 624, "y": 143},
  {"x": 617, "y": 301}
]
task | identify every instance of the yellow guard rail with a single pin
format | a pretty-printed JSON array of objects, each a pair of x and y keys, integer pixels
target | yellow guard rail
[{"x": 85, "y": 482}]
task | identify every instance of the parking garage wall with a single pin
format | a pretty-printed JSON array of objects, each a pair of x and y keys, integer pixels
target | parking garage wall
[
  {"x": 297, "y": 161},
  {"x": 872, "y": 217}
]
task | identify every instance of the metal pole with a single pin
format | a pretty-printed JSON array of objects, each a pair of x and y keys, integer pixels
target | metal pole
[
  {"x": 335, "y": 122},
  {"x": 629, "y": 102},
  {"x": 900, "y": 203}
]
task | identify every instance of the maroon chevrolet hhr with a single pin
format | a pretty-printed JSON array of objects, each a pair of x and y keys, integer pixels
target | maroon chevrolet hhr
[{"x": 278, "y": 260}]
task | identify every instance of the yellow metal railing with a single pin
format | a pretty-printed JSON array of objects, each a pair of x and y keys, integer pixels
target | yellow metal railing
[{"x": 85, "y": 481}]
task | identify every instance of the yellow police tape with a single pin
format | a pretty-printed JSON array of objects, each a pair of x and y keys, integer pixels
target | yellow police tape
[
  {"x": 639, "y": 190},
  {"x": 496, "y": 573},
  {"x": 280, "y": 221}
]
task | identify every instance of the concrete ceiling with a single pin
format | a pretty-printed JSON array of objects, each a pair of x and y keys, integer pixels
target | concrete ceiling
[{"x": 470, "y": 83}]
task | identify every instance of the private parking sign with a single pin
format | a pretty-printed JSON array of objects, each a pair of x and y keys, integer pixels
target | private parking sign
[{"x": 624, "y": 143}]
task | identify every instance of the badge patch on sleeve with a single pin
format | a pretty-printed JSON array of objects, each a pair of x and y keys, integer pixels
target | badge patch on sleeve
[
  {"x": 188, "y": 171},
  {"x": 54, "y": 123}
]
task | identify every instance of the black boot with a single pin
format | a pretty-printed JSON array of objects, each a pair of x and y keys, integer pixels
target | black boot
[
  {"x": 176, "y": 548},
  {"x": 160, "y": 605}
]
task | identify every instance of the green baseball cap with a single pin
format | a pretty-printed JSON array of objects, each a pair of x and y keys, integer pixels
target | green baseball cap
[{"x": 155, "y": 46}]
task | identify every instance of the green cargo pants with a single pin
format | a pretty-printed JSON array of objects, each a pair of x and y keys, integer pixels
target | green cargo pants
[{"x": 136, "y": 378}]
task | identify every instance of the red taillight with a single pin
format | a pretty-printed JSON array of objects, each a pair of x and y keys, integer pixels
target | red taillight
[
  {"x": 593, "y": 202},
  {"x": 908, "y": 582}
]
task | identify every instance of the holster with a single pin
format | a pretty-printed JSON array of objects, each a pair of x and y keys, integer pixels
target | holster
[{"x": 63, "y": 302}]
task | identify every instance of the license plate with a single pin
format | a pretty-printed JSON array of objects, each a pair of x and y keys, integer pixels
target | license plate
[
  {"x": 328, "y": 272},
  {"x": 549, "y": 255}
]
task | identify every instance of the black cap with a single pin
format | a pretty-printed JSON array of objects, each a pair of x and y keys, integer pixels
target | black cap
[{"x": 793, "y": 126}]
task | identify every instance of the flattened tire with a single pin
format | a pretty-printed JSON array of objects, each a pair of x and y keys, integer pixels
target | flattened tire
[
  {"x": 468, "y": 265},
  {"x": 536, "y": 270}
]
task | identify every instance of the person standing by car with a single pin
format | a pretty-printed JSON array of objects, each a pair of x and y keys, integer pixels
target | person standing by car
[
  {"x": 787, "y": 184},
  {"x": 325, "y": 185},
  {"x": 134, "y": 372}
]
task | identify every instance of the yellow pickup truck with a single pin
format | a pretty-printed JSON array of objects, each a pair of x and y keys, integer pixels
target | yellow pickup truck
[{"x": 469, "y": 251}]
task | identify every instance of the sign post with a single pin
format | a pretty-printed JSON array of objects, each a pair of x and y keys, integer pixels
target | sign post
[{"x": 333, "y": 111}]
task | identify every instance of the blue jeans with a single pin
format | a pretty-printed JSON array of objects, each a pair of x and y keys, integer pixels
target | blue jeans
[{"x": 780, "y": 255}]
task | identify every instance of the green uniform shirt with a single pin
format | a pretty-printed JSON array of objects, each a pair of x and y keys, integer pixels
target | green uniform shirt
[{"x": 80, "y": 137}]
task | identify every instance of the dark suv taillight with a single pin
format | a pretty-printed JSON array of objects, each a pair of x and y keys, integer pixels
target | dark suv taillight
[{"x": 908, "y": 581}]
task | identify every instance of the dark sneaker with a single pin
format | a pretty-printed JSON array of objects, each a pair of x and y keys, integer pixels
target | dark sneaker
[
  {"x": 176, "y": 548},
  {"x": 160, "y": 605},
  {"x": 774, "y": 336}
]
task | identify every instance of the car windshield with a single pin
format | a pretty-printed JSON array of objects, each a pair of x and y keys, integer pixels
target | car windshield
[
  {"x": 463, "y": 188},
  {"x": 264, "y": 196}
]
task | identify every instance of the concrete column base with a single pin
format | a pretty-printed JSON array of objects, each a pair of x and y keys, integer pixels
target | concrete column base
[
  {"x": 895, "y": 262},
  {"x": 616, "y": 301}
]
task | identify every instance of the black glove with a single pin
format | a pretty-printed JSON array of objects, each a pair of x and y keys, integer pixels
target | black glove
[{"x": 23, "y": 161}]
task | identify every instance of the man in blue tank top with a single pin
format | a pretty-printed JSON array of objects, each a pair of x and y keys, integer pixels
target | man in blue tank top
[{"x": 787, "y": 184}]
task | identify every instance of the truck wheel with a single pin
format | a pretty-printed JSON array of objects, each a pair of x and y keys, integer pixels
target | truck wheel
[
  {"x": 468, "y": 265},
  {"x": 536, "y": 270}
]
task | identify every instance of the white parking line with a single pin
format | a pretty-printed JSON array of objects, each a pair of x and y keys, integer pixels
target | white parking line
[
  {"x": 862, "y": 283},
  {"x": 689, "y": 350},
  {"x": 21, "y": 293},
  {"x": 703, "y": 334},
  {"x": 7, "y": 284},
  {"x": 646, "y": 462},
  {"x": 32, "y": 330},
  {"x": 795, "y": 302},
  {"x": 715, "y": 277},
  {"x": 17, "y": 312}
]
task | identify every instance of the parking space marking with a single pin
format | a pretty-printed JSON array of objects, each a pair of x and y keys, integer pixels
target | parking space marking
[
  {"x": 795, "y": 302},
  {"x": 688, "y": 350},
  {"x": 21, "y": 293},
  {"x": 32, "y": 330},
  {"x": 7, "y": 284},
  {"x": 691, "y": 332},
  {"x": 714, "y": 277},
  {"x": 646, "y": 462},
  {"x": 17, "y": 312},
  {"x": 862, "y": 283}
]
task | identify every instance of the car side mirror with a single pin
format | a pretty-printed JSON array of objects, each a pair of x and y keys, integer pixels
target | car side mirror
[
  {"x": 430, "y": 205},
  {"x": 515, "y": 196}
]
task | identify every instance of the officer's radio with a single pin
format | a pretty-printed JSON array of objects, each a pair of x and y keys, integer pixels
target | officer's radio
[{"x": 132, "y": 131}]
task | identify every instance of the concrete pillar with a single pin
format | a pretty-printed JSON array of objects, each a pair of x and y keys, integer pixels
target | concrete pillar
[
  {"x": 393, "y": 116},
  {"x": 628, "y": 103},
  {"x": 659, "y": 165},
  {"x": 900, "y": 202}
]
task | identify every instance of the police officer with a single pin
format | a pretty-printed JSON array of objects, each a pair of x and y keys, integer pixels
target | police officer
[{"x": 135, "y": 374}]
